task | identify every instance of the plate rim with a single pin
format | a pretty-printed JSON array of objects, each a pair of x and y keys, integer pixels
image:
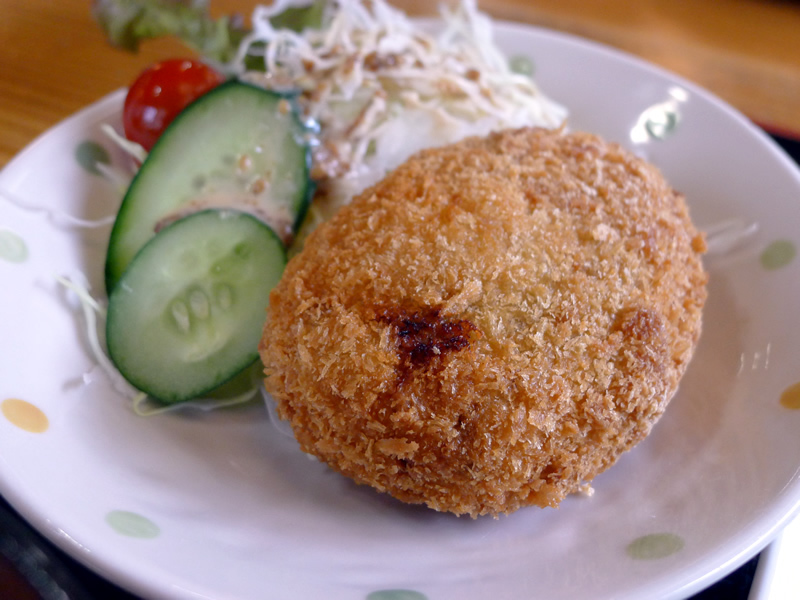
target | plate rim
[{"x": 758, "y": 536}]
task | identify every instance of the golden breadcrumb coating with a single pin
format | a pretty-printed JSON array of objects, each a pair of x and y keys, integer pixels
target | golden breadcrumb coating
[{"x": 491, "y": 325}]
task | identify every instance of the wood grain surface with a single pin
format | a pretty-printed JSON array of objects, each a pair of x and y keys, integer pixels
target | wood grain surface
[{"x": 54, "y": 59}]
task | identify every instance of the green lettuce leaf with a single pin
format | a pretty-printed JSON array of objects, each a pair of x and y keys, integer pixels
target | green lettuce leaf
[
  {"x": 298, "y": 18},
  {"x": 127, "y": 23}
]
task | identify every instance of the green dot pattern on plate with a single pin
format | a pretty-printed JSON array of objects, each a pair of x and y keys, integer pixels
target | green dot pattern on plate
[
  {"x": 12, "y": 247},
  {"x": 790, "y": 397},
  {"x": 25, "y": 415},
  {"x": 778, "y": 254},
  {"x": 655, "y": 546},
  {"x": 396, "y": 595},
  {"x": 521, "y": 65},
  {"x": 131, "y": 524},
  {"x": 89, "y": 154},
  {"x": 661, "y": 122}
]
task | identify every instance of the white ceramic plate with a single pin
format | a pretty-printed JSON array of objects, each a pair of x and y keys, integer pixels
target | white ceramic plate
[{"x": 221, "y": 505}]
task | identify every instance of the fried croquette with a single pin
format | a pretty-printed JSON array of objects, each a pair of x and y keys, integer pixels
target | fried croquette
[{"x": 492, "y": 325}]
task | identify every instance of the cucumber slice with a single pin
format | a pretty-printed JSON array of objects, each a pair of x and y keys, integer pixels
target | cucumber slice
[
  {"x": 240, "y": 147},
  {"x": 187, "y": 314}
]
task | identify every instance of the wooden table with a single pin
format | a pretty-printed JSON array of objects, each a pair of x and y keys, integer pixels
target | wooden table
[{"x": 54, "y": 59}]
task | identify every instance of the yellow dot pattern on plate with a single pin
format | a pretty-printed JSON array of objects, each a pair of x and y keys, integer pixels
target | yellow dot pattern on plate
[
  {"x": 25, "y": 415},
  {"x": 132, "y": 524},
  {"x": 790, "y": 398},
  {"x": 654, "y": 546}
]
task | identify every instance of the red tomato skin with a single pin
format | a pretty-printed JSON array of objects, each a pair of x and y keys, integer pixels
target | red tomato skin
[{"x": 161, "y": 92}]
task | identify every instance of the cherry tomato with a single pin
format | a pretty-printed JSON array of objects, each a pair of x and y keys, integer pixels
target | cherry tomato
[{"x": 160, "y": 93}]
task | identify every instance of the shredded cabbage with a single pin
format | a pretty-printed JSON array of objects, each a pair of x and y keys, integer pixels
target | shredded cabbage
[
  {"x": 94, "y": 314},
  {"x": 725, "y": 236},
  {"x": 58, "y": 218},
  {"x": 118, "y": 176},
  {"x": 92, "y": 310},
  {"x": 134, "y": 150},
  {"x": 144, "y": 406},
  {"x": 283, "y": 427},
  {"x": 380, "y": 87}
]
